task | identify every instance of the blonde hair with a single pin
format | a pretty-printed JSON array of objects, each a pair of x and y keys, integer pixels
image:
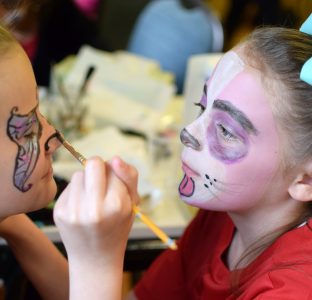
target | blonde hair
[
  {"x": 280, "y": 54},
  {"x": 7, "y": 41}
]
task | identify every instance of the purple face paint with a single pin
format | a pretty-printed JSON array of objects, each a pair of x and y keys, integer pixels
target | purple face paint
[
  {"x": 227, "y": 140},
  {"x": 25, "y": 131},
  {"x": 239, "y": 147}
]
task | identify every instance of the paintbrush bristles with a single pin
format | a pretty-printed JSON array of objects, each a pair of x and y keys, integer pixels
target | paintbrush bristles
[
  {"x": 71, "y": 149},
  {"x": 76, "y": 154}
]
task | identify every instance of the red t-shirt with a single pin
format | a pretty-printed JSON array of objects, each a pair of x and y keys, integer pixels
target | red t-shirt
[{"x": 197, "y": 269}]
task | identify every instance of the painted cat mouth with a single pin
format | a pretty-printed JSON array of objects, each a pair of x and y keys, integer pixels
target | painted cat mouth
[{"x": 187, "y": 186}]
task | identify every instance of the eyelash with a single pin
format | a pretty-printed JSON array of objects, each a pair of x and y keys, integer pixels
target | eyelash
[
  {"x": 29, "y": 135},
  {"x": 227, "y": 135},
  {"x": 202, "y": 108}
]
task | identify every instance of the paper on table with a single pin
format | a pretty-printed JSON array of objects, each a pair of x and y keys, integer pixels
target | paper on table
[
  {"x": 135, "y": 77},
  {"x": 106, "y": 143},
  {"x": 105, "y": 107}
]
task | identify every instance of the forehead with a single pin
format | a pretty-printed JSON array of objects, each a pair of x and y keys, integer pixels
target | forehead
[
  {"x": 227, "y": 68},
  {"x": 17, "y": 84},
  {"x": 242, "y": 86},
  {"x": 245, "y": 91},
  {"x": 17, "y": 87}
]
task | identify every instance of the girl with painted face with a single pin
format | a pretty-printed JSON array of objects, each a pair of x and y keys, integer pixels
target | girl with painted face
[
  {"x": 27, "y": 142},
  {"x": 247, "y": 163},
  {"x": 27, "y": 184}
]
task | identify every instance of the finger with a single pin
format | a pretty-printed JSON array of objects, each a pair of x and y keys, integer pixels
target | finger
[
  {"x": 118, "y": 199},
  {"x": 60, "y": 205},
  {"x": 95, "y": 188},
  {"x": 129, "y": 175},
  {"x": 76, "y": 192}
]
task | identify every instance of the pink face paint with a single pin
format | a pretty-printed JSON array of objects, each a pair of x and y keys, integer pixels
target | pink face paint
[
  {"x": 227, "y": 68},
  {"x": 25, "y": 132},
  {"x": 228, "y": 132},
  {"x": 187, "y": 186},
  {"x": 239, "y": 145}
]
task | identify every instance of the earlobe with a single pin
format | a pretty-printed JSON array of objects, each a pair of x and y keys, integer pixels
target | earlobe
[{"x": 301, "y": 188}]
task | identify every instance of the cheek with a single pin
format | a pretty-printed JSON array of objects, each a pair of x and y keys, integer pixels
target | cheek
[{"x": 253, "y": 174}]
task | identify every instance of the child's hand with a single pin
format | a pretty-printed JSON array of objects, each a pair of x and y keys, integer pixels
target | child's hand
[{"x": 94, "y": 213}]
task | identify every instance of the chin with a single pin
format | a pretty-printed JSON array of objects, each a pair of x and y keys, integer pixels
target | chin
[
  {"x": 193, "y": 201},
  {"x": 45, "y": 195},
  {"x": 199, "y": 200}
]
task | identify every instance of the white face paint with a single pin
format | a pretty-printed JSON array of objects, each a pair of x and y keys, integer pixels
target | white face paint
[
  {"x": 231, "y": 150},
  {"x": 228, "y": 67}
]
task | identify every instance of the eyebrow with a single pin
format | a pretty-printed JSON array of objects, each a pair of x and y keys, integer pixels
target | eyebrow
[{"x": 236, "y": 114}]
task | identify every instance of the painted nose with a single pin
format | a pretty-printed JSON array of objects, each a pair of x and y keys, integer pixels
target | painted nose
[
  {"x": 189, "y": 141},
  {"x": 52, "y": 143}
]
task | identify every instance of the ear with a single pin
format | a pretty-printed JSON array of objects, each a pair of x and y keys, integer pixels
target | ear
[{"x": 301, "y": 188}]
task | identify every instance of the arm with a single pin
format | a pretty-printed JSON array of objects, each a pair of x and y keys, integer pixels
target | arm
[
  {"x": 41, "y": 261},
  {"x": 94, "y": 216}
]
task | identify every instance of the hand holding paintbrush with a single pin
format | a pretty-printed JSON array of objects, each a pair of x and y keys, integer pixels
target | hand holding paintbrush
[
  {"x": 94, "y": 217},
  {"x": 161, "y": 235}
]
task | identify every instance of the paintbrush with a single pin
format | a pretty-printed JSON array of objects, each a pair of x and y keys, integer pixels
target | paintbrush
[
  {"x": 161, "y": 234},
  {"x": 85, "y": 82}
]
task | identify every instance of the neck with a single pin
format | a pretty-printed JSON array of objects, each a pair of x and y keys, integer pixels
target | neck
[{"x": 259, "y": 226}]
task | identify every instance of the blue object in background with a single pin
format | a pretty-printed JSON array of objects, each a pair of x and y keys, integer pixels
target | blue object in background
[
  {"x": 306, "y": 71},
  {"x": 169, "y": 33},
  {"x": 306, "y": 27}
]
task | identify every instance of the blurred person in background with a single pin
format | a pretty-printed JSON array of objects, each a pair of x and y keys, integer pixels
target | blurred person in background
[{"x": 50, "y": 30}]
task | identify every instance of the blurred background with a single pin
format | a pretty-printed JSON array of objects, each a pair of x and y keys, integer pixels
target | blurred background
[
  {"x": 50, "y": 30},
  {"x": 121, "y": 77}
]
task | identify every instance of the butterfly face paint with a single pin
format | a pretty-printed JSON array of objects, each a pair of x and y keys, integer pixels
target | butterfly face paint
[
  {"x": 232, "y": 149},
  {"x": 25, "y": 131}
]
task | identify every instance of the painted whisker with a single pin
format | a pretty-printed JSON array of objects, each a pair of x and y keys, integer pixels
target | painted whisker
[
  {"x": 218, "y": 185},
  {"x": 209, "y": 189}
]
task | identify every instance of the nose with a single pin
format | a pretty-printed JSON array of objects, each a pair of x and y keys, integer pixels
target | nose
[
  {"x": 52, "y": 142},
  {"x": 189, "y": 141}
]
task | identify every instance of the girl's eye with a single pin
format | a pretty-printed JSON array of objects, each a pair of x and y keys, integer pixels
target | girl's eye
[
  {"x": 202, "y": 108},
  {"x": 225, "y": 134}
]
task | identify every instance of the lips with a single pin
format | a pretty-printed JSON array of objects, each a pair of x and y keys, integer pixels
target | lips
[
  {"x": 49, "y": 173},
  {"x": 188, "y": 170},
  {"x": 187, "y": 185}
]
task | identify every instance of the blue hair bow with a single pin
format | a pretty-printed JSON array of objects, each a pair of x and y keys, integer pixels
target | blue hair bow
[{"x": 306, "y": 71}]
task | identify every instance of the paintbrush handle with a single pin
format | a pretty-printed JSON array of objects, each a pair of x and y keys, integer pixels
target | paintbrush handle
[{"x": 159, "y": 233}]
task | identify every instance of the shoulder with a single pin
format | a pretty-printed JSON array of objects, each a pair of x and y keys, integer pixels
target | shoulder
[
  {"x": 284, "y": 270},
  {"x": 287, "y": 283},
  {"x": 294, "y": 247}
]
